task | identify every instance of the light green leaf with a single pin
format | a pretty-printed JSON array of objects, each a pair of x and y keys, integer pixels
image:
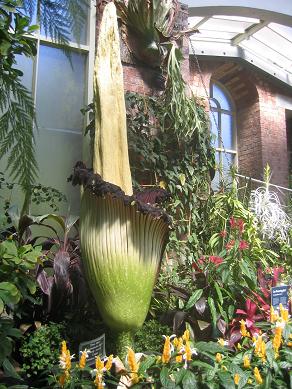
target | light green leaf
[{"x": 194, "y": 298}]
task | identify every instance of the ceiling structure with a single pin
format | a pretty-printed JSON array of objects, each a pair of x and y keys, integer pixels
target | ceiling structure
[{"x": 258, "y": 33}]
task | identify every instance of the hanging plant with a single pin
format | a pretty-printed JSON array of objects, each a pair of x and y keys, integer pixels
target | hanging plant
[{"x": 149, "y": 28}]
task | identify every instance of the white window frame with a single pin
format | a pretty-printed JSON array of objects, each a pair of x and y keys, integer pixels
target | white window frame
[
  {"x": 88, "y": 49},
  {"x": 220, "y": 149}
]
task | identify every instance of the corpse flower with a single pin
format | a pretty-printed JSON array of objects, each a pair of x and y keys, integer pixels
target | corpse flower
[{"x": 122, "y": 238}]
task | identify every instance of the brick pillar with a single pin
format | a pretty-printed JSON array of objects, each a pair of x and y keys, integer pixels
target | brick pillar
[{"x": 273, "y": 135}]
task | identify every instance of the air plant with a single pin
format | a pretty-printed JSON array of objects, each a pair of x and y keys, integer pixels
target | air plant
[
  {"x": 265, "y": 204},
  {"x": 147, "y": 24},
  {"x": 122, "y": 239}
]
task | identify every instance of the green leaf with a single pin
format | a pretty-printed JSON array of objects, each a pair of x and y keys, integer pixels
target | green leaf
[
  {"x": 9, "y": 293},
  {"x": 180, "y": 375},
  {"x": 1, "y": 306},
  {"x": 9, "y": 369},
  {"x": 218, "y": 291},
  {"x": 5, "y": 349},
  {"x": 226, "y": 380},
  {"x": 189, "y": 381},
  {"x": 149, "y": 361},
  {"x": 194, "y": 298},
  {"x": 212, "y": 310},
  {"x": 164, "y": 377}
]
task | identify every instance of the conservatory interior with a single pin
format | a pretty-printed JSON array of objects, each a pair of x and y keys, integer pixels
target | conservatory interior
[{"x": 145, "y": 186}]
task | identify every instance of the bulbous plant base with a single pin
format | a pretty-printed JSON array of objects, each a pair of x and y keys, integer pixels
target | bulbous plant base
[{"x": 122, "y": 242}]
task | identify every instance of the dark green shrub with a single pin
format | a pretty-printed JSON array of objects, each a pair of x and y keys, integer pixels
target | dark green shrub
[
  {"x": 40, "y": 350},
  {"x": 150, "y": 337}
]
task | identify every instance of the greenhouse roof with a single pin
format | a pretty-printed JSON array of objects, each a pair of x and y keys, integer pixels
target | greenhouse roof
[{"x": 263, "y": 38}]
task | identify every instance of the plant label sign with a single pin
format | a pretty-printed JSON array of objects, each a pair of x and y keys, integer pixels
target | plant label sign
[
  {"x": 94, "y": 348},
  {"x": 280, "y": 295}
]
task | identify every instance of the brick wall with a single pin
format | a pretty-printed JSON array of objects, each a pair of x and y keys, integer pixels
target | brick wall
[{"x": 260, "y": 122}]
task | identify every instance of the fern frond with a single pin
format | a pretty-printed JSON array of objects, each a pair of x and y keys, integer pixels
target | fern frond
[
  {"x": 78, "y": 10},
  {"x": 16, "y": 132}
]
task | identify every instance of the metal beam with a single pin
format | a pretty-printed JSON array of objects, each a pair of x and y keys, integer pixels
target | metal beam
[
  {"x": 273, "y": 11},
  {"x": 249, "y": 32},
  {"x": 211, "y": 48}
]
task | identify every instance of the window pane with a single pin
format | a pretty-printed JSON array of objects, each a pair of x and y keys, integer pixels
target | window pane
[
  {"x": 219, "y": 95},
  {"x": 226, "y": 131},
  {"x": 57, "y": 153},
  {"x": 60, "y": 89},
  {"x": 214, "y": 125},
  {"x": 216, "y": 180},
  {"x": 80, "y": 29},
  {"x": 25, "y": 64},
  {"x": 227, "y": 162}
]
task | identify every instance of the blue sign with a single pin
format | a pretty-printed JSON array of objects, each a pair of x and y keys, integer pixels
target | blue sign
[{"x": 280, "y": 295}]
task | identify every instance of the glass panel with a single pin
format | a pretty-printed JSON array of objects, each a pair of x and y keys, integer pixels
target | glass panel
[
  {"x": 227, "y": 163},
  {"x": 60, "y": 89},
  {"x": 57, "y": 153},
  {"x": 214, "y": 128},
  {"x": 226, "y": 131},
  {"x": 219, "y": 95},
  {"x": 216, "y": 180},
  {"x": 77, "y": 36},
  {"x": 25, "y": 64}
]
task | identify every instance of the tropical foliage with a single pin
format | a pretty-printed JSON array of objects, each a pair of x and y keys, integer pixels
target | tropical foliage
[{"x": 17, "y": 37}]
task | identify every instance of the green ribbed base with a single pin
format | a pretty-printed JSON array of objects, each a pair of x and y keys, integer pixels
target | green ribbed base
[{"x": 123, "y": 340}]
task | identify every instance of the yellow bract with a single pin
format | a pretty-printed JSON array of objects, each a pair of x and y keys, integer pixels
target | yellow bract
[
  {"x": 166, "y": 350},
  {"x": 246, "y": 362},
  {"x": 277, "y": 341},
  {"x": 133, "y": 365},
  {"x": 236, "y": 379},
  {"x": 257, "y": 376},
  {"x": 243, "y": 329}
]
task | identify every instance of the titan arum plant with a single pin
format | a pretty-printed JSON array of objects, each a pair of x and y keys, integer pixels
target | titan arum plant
[{"x": 122, "y": 238}]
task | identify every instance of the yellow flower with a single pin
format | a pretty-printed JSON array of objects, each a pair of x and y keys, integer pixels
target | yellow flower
[
  {"x": 186, "y": 336},
  {"x": 289, "y": 344},
  {"x": 249, "y": 381},
  {"x": 273, "y": 315},
  {"x": 243, "y": 329},
  {"x": 222, "y": 342},
  {"x": 246, "y": 362},
  {"x": 99, "y": 365},
  {"x": 109, "y": 362},
  {"x": 166, "y": 350},
  {"x": 218, "y": 357},
  {"x": 257, "y": 376},
  {"x": 82, "y": 361},
  {"x": 64, "y": 348},
  {"x": 62, "y": 379},
  {"x": 65, "y": 363},
  {"x": 236, "y": 379},
  {"x": 98, "y": 382},
  {"x": 178, "y": 344},
  {"x": 133, "y": 365},
  {"x": 188, "y": 351},
  {"x": 277, "y": 341},
  {"x": 284, "y": 313},
  {"x": 263, "y": 352},
  {"x": 260, "y": 348}
]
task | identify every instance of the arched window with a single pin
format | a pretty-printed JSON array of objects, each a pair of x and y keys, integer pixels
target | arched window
[{"x": 222, "y": 117}]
